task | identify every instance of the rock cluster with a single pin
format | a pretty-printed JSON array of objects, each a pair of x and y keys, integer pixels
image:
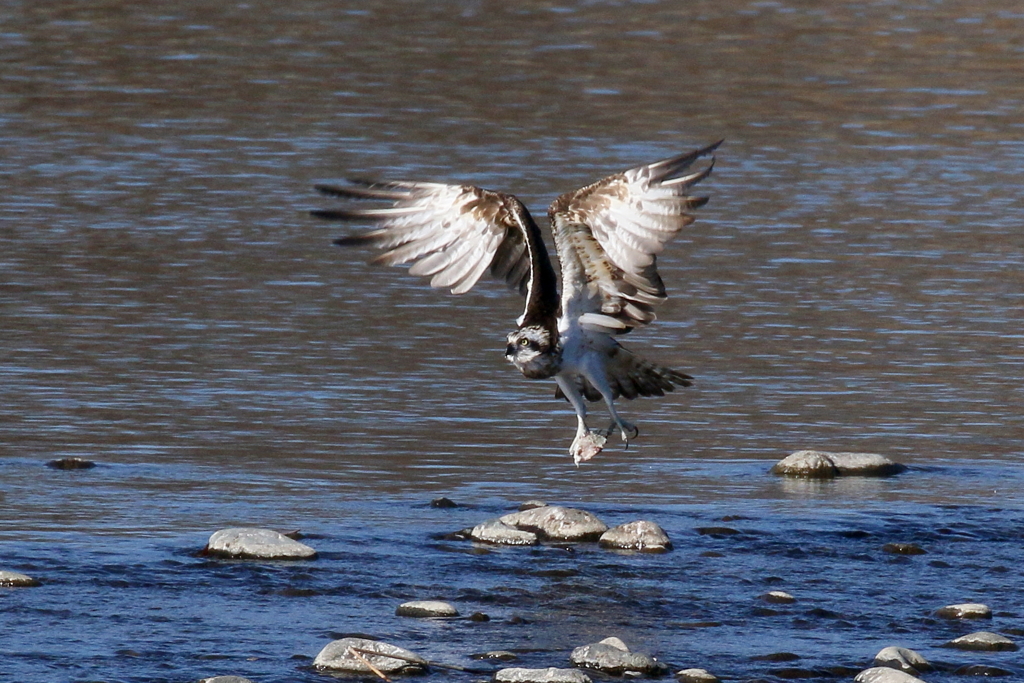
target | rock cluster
[
  {"x": 249, "y": 543},
  {"x": 536, "y": 522},
  {"x": 826, "y": 465}
]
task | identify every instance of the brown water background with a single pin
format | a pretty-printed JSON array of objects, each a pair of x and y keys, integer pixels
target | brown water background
[{"x": 169, "y": 310}]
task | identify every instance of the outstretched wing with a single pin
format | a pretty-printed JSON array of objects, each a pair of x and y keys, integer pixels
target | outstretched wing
[
  {"x": 609, "y": 234},
  {"x": 452, "y": 234}
]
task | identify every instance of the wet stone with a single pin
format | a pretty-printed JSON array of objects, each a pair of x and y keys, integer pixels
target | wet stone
[
  {"x": 257, "y": 544},
  {"x": 826, "y": 465},
  {"x": 426, "y": 608},
  {"x": 531, "y": 504},
  {"x": 983, "y": 641},
  {"x": 611, "y": 656},
  {"x": 902, "y": 658},
  {"x": 225, "y": 679},
  {"x": 496, "y": 655},
  {"x": 903, "y": 549},
  {"x": 639, "y": 535},
  {"x": 443, "y": 503},
  {"x": 696, "y": 676},
  {"x": 883, "y": 674},
  {"x": 344, "y": 655},
  {"x": 497, "y": 532},
  {"x": 557, "y": 523},
  {"x": 982, "y": 670},
  {"x": 778, "y": 598},
  {"x": 967, "y": 610},
  {"x": 9, "y": 579},
  {"x": 717, "y": 531},
  {"x": 71, "y": 464},
  {"x": 776, "y": 657},
  {"x": 549, "y": 675}
]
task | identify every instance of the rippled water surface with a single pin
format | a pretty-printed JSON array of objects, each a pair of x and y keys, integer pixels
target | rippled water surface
[{"x": 169, "y": 310}]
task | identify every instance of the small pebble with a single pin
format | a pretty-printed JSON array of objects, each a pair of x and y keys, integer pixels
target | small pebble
[
  {"x": 10, "y": 579},
  {"x": 641, "y": 535},
  {"x": 71, "y": 464},
  {"x": 967, "y": 610},
  {"x": 344, "y": 655},
  {"x": 257, "y": 544},
  {"x": 984, "y": 641},
  {"x": 902, "y": 658},
  {"x": 883, "y": 674},
  {"x": 549, "y": 675},
  {"x": 778, "y": 598},
  {"x": 426, "y": 608},
  {"x": 696, "y": 676}
]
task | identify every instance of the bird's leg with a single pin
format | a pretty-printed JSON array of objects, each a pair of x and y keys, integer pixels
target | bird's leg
[
  {"x": 587, "y": 443},
  {"x": 626, "y": 430}
]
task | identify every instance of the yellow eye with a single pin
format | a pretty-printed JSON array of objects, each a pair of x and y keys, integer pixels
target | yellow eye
[{"x": 524, "y": 342}]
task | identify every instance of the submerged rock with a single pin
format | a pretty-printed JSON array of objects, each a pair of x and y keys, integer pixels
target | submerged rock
[
  {"x": 903, "y": 549},
  {"x": 984, "y": 641},
  {"x": 902, "y": 658},
  {"x": 549, "y": 675},
  {"x": 557, "y": 523},
  {"x": 443, "y": 503},
  {"x": 9, "y": 579},
  {"x": 426, "y": 608},
  {"x": 348, "y": 655},
  {"x": 696, "y": 676},
  {"x": 71, "y": 464},
  {"x": 249, "y": 543},
  {"x": 966, "y": 610},
  {"x": 613, "y": 657},
  {"x": 531, "y": 504},
  {"x": 640, "y": 535},
  {"x": 497, "y": 532},
  {"x": 778, "y": 598},
  {"x": 981, "y": 670},
  {"x": 883, "y": 674},
  {"x": 225, "y": 679},
  {"x": 826, "y": 465}
]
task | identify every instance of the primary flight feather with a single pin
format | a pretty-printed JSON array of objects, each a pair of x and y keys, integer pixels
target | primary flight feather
[{"x": 607, "y": 236}]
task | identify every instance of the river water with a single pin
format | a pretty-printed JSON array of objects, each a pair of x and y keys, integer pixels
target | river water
[{"x": 169, "y": 310}]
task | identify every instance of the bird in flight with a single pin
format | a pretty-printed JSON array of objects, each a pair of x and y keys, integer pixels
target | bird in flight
[{"x": 607, "y": 236}]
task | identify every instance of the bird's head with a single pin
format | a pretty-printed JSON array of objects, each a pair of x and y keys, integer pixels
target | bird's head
[{"x": 535, "y": 351}]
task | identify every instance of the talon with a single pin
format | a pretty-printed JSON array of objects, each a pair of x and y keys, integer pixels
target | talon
[{"x": 586, "y": 445}]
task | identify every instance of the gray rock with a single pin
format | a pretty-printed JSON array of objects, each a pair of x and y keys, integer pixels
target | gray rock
[
  {"x": 983, "y": 640},
  {"x": 225, "y": 679},
  {"x": 902, "y": 658},
  {"x": 613, "y": 657},
  {"x": 426, "y": 608},
  {"x": 497, "y": 532},
  {"x": 778, "y": 598},
  {"x": 966, "y": 610},
  {"x": 257, "y": 544},
  {"x": 549, "y": 675},
  {"x": 344, "y": 655},
  {"x": 696, "y": 676},
  {"x": 497, "y": 655},
  {"x": 883, "y": 674},
  {"x": 826, "y": 465},
  {"x": 640, "y": 535},
  {"x": 531, "y": 504},
  {"x": 557, "y": 523},
  {"x": 10, "y": 579}
]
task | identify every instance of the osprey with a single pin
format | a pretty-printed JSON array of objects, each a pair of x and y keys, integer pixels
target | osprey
[{"x": 607, "y": 236}]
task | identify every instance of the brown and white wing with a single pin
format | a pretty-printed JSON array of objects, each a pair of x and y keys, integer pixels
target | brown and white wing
[
  {"x": 609, "y": 235},
  {"x": 451, "y": 234}
]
